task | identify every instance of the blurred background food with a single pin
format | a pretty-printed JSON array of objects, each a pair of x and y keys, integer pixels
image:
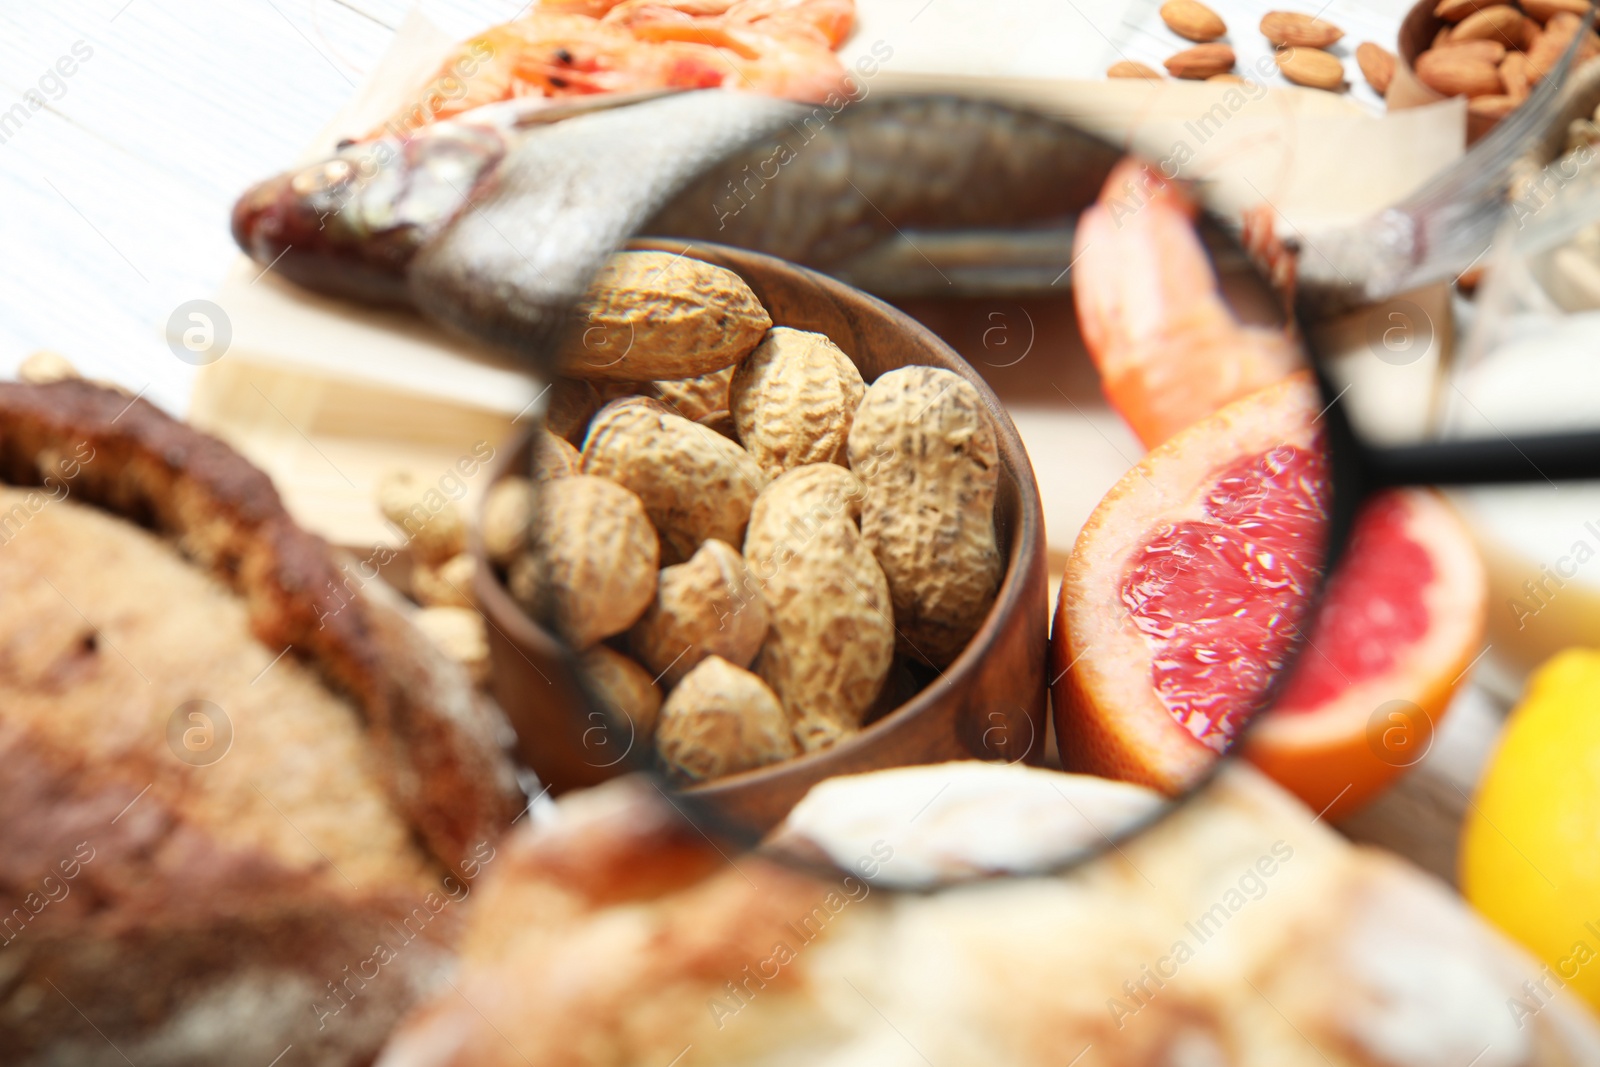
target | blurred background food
[
  {"x": 1238, "y": 930},
  {"x": 1527, "y": 855},
  {"x": 232, "y": 766},
  {"x": 364, "y": 416},
  {"x": 1491, "y": 54}
]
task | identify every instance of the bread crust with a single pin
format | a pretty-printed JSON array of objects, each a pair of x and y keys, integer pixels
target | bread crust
[
  {"x": 178, "y": 946},
  {"x": 1238, "y": 930}
]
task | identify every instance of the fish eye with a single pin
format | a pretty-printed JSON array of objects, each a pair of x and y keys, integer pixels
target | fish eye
[{"x": 322, "y": 177}]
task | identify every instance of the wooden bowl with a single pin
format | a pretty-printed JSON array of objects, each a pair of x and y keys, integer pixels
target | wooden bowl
[
  {"x": 1417, "y": 32},
  {"x": 989, "y": 704}
]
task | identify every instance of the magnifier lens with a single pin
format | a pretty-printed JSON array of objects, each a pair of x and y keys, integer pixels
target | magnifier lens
[
  {"x": 878, "y": 596},
  {"x": 1527, "y": 369}
]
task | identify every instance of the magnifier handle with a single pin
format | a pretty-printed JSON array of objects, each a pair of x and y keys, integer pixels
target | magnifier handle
[{"x": 1486, "y": 461}]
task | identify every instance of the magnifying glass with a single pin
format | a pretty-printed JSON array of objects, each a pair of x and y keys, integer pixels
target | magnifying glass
[
  {"x": 1236, "y": 577},
  {"x": 1266, "y": 565},
  {"x": 878, "y": 597}
]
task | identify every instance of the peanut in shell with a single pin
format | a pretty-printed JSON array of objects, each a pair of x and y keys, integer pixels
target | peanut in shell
[
  {"x": 831, "y": 640},
  {"x": 721, "y": 720},
  {"x": 709, "y": 605},
  {"x": 926, "y": 451},
  {"x": 656, "y": 315},
  {"x": 629, "y": 694},
  {"x": 590, "y": 569},
  {"x": 793, "y": 400},
  {"x": 695, "y": 483}
]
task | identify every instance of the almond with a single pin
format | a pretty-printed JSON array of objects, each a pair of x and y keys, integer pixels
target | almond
[
  {"x": 1232, "y": 79},
  {"x": 1311, "y": 67},
  {"x": 1552, "y": 44},
  {"x": 1488, "y": 51},
  {"x": 1530, "y": 33},
  {"x": 1545, "y": 10},
  {"x": 1456, "y": 10},
  {"x": 1377, "y": 65},
  {"x": 1441, "y": 38},
  {"x": 1452, "y": 73},
  {"x": 1502, "y": 23},
  {"x": 1193, "y": 20},
  {"x": 1289, "y": 28},
  {"x": 1544, "y": 54},
  {"x": 1127, "y": 68},
  {"x": 1201, "y": 62},
  {"x": 1514, "y": 76},
  {"x": 1494, "y": 107}
]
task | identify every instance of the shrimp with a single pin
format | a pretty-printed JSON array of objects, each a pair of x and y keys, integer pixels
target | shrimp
[
  {"x": 567, "y": 48},
  {"x": 794, "y": 67},
  {"x": 831, "y": 20},
  {"x": 548, "y": 54},
  {"x": 1168, "y": 348}
]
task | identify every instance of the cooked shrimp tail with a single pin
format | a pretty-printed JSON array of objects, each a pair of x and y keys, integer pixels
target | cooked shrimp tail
[{"x": 1168, "y": 347}]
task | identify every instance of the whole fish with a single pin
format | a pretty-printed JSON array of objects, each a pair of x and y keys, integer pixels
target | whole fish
[
  {"x": 493, "y": 221},
  {"x": 350, "y": 225},
  {"x": 515, "y": 204}
]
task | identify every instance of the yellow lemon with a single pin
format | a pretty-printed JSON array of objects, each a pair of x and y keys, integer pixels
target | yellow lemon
[{"x": 1530, "y": 847}]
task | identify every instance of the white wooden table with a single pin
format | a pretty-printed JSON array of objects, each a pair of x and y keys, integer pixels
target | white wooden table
[{"x": 116, "y": 192}]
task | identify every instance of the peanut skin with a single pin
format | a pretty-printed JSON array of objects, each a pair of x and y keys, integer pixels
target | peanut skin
[
  {"x": 507, "y": 518},
  {"x": 793, "y": 399},
  {"x": 831, "y": 641},
  {"x": 695, "y": 398},
  {"x": 569, "y": 407},
  {"x": 721, "y": 720},
  {"x": 925, "y": 449},
  {"x": 722, "y": 422},
  {"x": 695, "y": 483},
  {"x": 626, "y": 690},
  {"x": 430, "y": 521},
  {"x": 710, "y": 605},
  {"x": 652, "y": 315},
  {"x": 553, "y": 456},
  {"x": 591, "y": 565}
]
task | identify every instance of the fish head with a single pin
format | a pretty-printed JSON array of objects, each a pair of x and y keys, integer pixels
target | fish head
[{"x": 349, "y": 224}]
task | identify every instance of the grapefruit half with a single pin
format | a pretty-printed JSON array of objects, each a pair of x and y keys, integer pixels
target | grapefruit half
[
  {"x": 1399, "y": 624},
  {"x": 1190, "y": 592}
]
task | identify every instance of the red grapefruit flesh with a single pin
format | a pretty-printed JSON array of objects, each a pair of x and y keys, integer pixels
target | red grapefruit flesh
[
  {"x": 1189, "y": 592},
  {"x": 1164, "y": 642},
  {"x": 1401, "y": 621},
  {"x": 1218, "y": 596}
]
